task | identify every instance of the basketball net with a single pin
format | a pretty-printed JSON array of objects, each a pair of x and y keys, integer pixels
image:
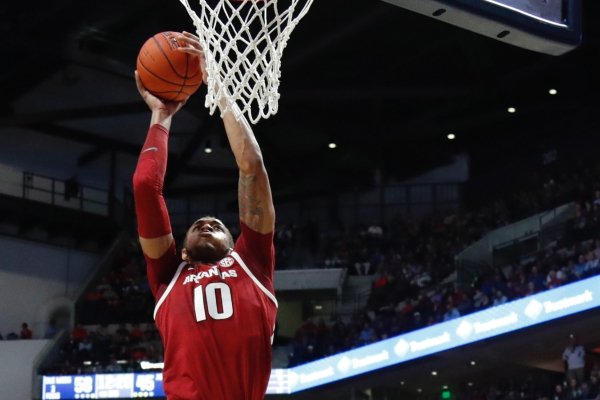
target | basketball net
[{"x": 243, "y": 42}]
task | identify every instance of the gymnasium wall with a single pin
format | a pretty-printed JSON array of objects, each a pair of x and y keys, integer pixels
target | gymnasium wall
[
  {"x": 36, "y": 279},
  {"x": 16, "y": 375}
]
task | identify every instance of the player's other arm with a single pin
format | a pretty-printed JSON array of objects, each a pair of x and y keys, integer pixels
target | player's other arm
[
  {"x": 154, "y": 227},
  {"x": 254, "y": 191}
]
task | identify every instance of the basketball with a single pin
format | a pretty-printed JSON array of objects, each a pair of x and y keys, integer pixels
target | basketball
[{"x": 164, "y": 71}]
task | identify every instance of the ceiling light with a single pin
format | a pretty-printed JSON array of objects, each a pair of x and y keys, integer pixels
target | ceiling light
[
  {"x": 451, "y": 136},
  {"x": 318, "y": 307},
  {"x": 511, "y": 110},
  {"x": 470, "y": 384},
  {"x": 473, "y": 362},
  {"x": 207, "y": 148},
  {"x": 401, "y": 382},
  {"x": 419, "y": 390},
  {"x": 434, "y": 373},
  {"x": 552, "y": 92},
  {"x": 445, "y": 387},
  {"x": 332, "y": 145}
]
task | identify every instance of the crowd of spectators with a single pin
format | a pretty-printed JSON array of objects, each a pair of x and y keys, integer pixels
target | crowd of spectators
[
  {"x": 122, "y": 296},
  {"x": 108, "y": 348},
  {"x": 398, "y": 305},
  {"x": 24, "y": 333},
  {"x": 411, "y": 260}
]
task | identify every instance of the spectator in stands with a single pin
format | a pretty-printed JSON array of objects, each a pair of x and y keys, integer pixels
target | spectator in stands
[
  {"x": 536, "y": 278},
  {"x": 85, "y": 349},
  {"x": 499, "y": 298},
  {"x": 136, "y": 335},
  {"x": 79, "y": 333},
  {"x": 480, "y": 300},
  {"x": 594, "y": 387},
  {"x": 113, "y": 365},
  {"x": 574, "y": 359},
  {"x": 451, "y": 312},
  {"x": 25, "y": 331},
  {"x": 552, "y": 281},
  {"x": 51, "y": 330},
  {"x": 559, "y": 393},
  {"x": 367, "y": 334},
  {"x": 574, "y": 390}
]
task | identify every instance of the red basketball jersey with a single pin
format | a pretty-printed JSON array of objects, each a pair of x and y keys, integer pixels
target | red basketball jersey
[{"x": 217, "y": 322}]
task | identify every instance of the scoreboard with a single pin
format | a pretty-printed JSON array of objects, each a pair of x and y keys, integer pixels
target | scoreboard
[
  {"x": 128, "y": 385},
  {"x": 103, "y": 386}
]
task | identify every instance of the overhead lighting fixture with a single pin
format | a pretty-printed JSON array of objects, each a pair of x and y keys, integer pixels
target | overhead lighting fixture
[
  {"x": 552, "y": 92},
  {"x": 472, "y": 362},
  {"x": 470, "y": 384},
  {"x": 511, "y": 110},
  {"x": 451, "y": 136},
  {"x": 318, "y": 307},
  {"x": 434, "y": 373},
  {"x": 332, "y": 145},
  {"x": 207, "y": 148}
]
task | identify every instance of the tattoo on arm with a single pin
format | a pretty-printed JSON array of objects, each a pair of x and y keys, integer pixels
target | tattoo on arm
[{"x": 250, "y": 204}]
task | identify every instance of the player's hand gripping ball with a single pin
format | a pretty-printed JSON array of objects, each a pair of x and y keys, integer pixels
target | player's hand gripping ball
[{"x": 166, "y": 72}]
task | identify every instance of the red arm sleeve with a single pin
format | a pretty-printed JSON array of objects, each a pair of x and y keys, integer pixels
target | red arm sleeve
[
  {"x": 259, "y": 253},
  {"x": 151, "y": 210},
  {"x": 150, "y": 207},
  {"x": 160, "y": 271}
]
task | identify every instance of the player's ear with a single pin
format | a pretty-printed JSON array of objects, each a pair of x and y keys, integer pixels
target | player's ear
[{"x": 184, "y": 255}]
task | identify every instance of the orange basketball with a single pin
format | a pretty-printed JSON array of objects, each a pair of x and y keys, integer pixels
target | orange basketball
[{"x": 166, "y": 72}]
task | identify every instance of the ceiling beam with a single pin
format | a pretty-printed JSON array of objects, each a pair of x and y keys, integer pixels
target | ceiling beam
[
  {"x": 209, "y": 171},
  {"x": 334, "y": 36},
  {"x": 85, "y": 137},
  {"x": 90, "y": 156},
  {"x": 215, "y": 187},
  {"x": 72, "y": 114},
  {"x": 81, "y": 136}
]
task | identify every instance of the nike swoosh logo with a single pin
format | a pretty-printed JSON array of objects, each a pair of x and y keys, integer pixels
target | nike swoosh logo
[{"x": 150, "y": 149}]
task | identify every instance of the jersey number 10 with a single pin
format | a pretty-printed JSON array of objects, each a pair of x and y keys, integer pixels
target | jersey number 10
[{"x": 208, "y": 295}]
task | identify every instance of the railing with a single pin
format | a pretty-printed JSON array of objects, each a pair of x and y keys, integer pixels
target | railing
[
  {"x": 68, "y": 194},
  {"x": 65, "y": 193},
  {"x": 502, "y": 243}
]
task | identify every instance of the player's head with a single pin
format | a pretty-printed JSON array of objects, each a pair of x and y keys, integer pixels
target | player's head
[{"x": 207, "y": 240}]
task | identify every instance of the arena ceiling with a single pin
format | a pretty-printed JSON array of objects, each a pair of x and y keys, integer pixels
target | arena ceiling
[{"x": 386, "y": 84}]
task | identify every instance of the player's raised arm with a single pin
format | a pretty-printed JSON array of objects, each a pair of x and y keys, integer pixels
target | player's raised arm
[
  {"x": 154, "y": 227},
  {"x": 254, "y": 192}
]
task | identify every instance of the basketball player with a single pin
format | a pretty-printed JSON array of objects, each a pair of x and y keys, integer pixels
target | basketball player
[{"x": 215, "y": 308}]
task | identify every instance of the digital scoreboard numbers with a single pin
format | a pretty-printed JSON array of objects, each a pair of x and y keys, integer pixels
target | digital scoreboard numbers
[{"x": 102, "y": 386}]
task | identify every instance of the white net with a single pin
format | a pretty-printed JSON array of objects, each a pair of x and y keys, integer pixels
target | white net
[{"x": 243, "y": 42}]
